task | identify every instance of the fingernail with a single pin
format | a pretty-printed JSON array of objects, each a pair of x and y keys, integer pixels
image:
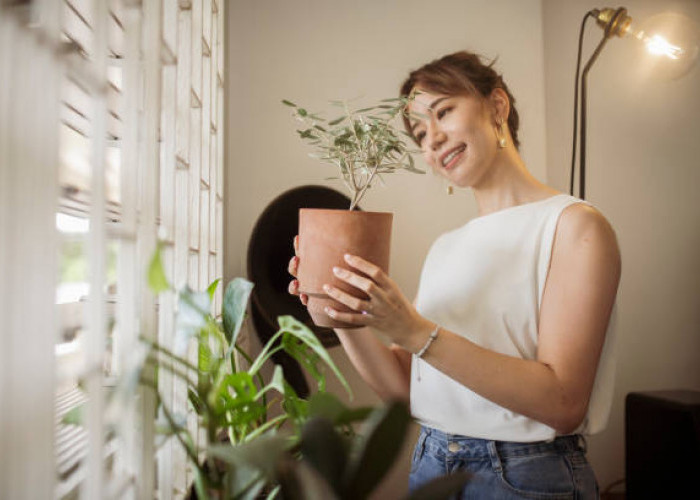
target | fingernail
[
  {"x": 326, "y": 288},
  {"x": 347, "y": 257},
  {"x": 329, "y": 311},
  {"x": 336, "y": 270}
]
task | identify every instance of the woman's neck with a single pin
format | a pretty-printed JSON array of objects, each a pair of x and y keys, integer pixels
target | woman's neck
[{"x": 508, "y": 183}]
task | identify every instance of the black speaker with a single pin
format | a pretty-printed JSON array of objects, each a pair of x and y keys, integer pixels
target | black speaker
[{"x": 662, "y": 441}]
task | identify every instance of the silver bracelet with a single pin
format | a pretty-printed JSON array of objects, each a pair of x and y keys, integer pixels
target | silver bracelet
[{"x": 433, "y": 336}]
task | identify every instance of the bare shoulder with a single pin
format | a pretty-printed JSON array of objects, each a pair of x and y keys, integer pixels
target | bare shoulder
[
  {"x": 582, "y": 224},
  {"x": 583, "y": 216}
]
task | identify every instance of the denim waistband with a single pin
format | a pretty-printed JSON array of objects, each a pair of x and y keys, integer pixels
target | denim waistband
[{"x": 484, "y": 448}]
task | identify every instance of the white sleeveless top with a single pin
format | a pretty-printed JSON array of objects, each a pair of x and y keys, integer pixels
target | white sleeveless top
[{"x": 484, "y": 281}]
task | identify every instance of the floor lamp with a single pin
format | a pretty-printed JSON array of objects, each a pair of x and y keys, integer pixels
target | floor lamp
[{"x": 671, "y": 39}]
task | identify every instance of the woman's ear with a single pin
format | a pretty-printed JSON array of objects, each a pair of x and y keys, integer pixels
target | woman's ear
[{"x": 500, "y": 104}]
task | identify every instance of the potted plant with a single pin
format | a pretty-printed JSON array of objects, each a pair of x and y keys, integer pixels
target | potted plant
[{"x": 364, "y": 145}]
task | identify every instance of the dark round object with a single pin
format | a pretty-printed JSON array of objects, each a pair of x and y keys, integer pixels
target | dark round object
[{"x": 269, "y": 251}]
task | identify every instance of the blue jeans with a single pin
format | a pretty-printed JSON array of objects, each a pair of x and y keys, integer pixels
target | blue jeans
[{"x": 506, "y": 470}]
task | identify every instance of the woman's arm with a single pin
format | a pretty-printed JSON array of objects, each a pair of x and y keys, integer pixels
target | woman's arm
[
  {"x": 382, "y": 367},
  {"x": 576, "y": 306}
]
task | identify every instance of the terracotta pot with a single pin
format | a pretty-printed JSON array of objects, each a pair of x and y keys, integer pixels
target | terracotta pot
[{"x": 324, "y": 237}]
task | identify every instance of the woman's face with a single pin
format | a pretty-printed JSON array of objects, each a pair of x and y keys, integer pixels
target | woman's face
[{"x": 456, "y": 135}]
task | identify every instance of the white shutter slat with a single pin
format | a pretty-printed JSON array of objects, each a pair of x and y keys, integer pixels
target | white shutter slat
[
  {"x": 197, "y": 49},
  {"x": 96, "y": 334},
  {"x": 205, "y": 131},
  {"x": 170, "y": 28},
  {"x": 184, "y": 78},
  {"x": 213, "y": 228},
  {"x": 195, "y": 172},
  {"x": 149, "y": 173}
]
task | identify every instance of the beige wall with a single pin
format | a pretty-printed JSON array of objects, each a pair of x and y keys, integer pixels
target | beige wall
[
  {"x": 315, "y": 50},
  {"x": 643, "y": 173}
]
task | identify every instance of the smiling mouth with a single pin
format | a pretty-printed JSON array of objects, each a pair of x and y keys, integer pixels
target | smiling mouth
[{"x": 449, "y": 159}]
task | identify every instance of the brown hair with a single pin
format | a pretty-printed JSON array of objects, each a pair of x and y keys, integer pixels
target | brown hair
[{"x": 457, "y": 74}]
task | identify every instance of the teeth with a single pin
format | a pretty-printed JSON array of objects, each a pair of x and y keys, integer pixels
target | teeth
[{"x": 454, "y": 153}]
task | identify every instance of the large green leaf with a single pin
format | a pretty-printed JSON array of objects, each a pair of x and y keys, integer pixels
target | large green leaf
[
  {"x": 326, "y": 405},
  {"x": 298, "y": 329},
  {"x": 235, "y": 302},
  {"x": 236, "y": 395},
  {"x": 323, "y": 448},
  {"x": 442, "y": 487},
  {"x": 300, "y": 481},
  {"x": 262, "y": 454},
  {"x": 374, "y": 454}
]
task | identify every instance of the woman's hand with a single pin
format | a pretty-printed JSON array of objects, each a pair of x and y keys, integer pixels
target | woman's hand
[
  {"x": 292, "y": 268},
  {"x": 388, "y": 311}
]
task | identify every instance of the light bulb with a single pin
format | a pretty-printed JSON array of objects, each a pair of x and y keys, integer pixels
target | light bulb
[{"x": 671, "y": 42}]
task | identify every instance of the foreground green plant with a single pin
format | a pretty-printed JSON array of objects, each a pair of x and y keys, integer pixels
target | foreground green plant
[
  {"x": 335, "y": 467},
  {"x": 237, "y": 449},
  {"x": 232, "y": 401},
  {"x": 362, "y": 143}
]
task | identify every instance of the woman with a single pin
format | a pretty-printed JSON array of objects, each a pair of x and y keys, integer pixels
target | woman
[{"x": 503, "y": 354}]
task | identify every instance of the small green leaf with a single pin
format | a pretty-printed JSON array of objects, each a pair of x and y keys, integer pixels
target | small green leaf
[
  {"x": 74, "y": 416},
  {"x": 235, "y": 303},
  {"x": 195, "y": 400},
  {"x": 156, "y": 274},
  {"x": 289, "y": 103},
  {"x": 337, "y": 120},
  {"x": 302, "y": 112},
  {"x": 211, "y": 289}
]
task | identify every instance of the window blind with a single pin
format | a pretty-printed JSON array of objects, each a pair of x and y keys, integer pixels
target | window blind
[{"x": 136, "y": 89}]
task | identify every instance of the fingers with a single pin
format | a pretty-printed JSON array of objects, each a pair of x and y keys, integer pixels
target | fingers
[
  {"x": 366, "y": 285},
  {"x": 347, "y": 299},
  {"x": 293, "y": 266},
  {"x": 371, "y": 270},
  {"x": 293, "y": 289},
  {"x": 358, "y": 319}
]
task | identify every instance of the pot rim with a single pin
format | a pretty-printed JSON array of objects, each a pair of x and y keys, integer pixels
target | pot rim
[{"x": 338, "y": 211}]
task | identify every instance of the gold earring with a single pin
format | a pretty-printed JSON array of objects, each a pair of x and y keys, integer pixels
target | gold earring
[
  {"x": 450, "y": 189},
  {"x": 500, "y": 134}
]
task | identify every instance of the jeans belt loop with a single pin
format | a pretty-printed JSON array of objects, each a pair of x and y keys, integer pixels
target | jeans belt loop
[
  {"x": 425, "y": 432},
  {"x": 495, "y": 459},
  {"x": 582, "y": 442}
]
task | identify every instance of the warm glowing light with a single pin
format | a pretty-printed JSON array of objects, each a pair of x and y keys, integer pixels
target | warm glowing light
[
  {"x": 675, "y": 41},
  {"x": 658, "y": 45}
]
